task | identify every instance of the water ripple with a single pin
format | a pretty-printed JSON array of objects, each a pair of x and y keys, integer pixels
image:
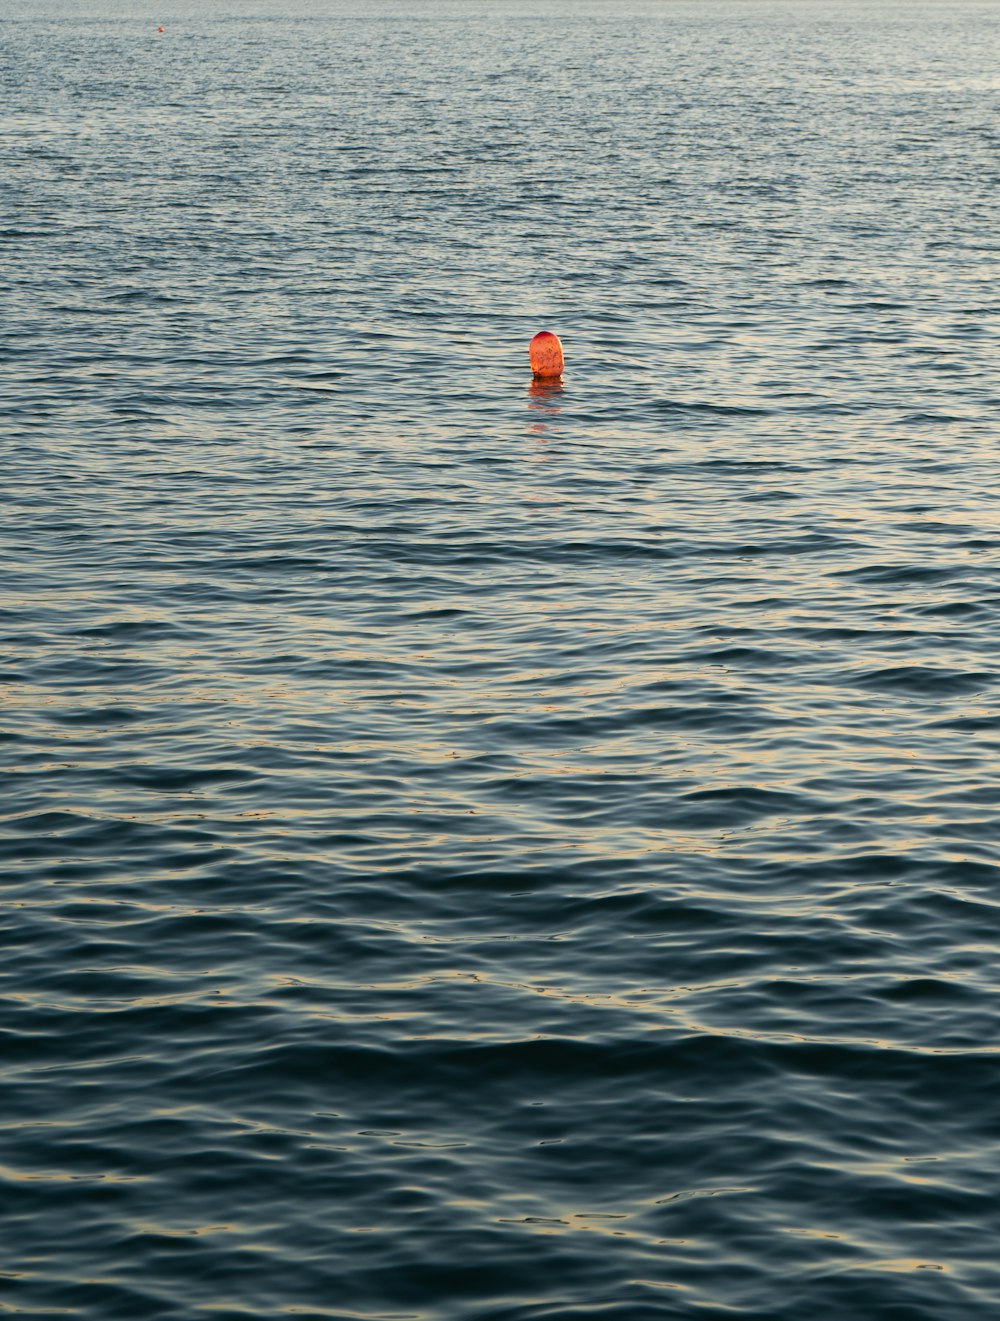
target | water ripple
[{"x": 475, "y": 850}]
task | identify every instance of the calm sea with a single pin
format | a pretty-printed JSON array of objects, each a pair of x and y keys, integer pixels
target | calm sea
[{"x": 476, "y": 852}]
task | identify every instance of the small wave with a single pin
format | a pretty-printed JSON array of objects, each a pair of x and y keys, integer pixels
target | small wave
[
  {"x": 924, "y": 681},
  {"x": 669, "y": 406}
]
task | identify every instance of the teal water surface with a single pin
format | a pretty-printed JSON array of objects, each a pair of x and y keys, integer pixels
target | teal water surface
[{"x": 475, "y": 851}]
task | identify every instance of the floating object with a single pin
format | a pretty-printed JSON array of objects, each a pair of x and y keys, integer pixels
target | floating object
[
  {"x": 161, "y": 29},
  {"x": 546, "y": 355}
]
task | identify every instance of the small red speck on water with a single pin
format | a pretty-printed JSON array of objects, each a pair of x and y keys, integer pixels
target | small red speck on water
[
  {"x": 161, "y": 29},
  {"x": 546, "y": 354}
]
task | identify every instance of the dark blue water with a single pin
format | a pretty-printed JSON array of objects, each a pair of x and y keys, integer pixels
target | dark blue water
[{"x": 483, "y": 853}]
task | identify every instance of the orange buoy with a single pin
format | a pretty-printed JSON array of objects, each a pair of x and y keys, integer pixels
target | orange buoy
[
  {"x": 161, "y": 29},
  {"x": 546, "y": 355}
]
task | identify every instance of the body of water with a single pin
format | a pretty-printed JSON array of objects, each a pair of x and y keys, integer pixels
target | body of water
[{"x": 483, "y": 852}]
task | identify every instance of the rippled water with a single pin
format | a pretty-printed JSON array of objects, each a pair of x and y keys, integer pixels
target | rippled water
[{"x": 477, "y": 852}]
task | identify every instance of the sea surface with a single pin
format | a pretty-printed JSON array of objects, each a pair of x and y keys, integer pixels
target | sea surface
[{"x": 475, "y": 851}]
